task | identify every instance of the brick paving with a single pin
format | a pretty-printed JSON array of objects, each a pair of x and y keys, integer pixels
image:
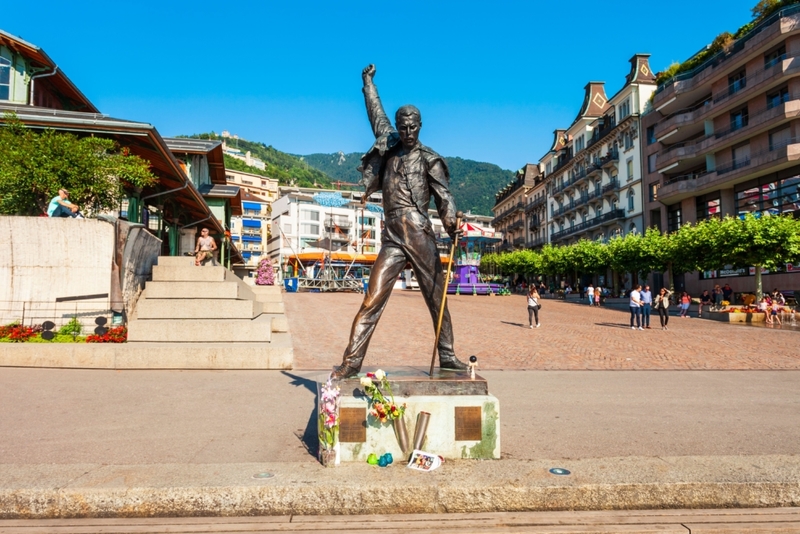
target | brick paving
[{"x": 573, "y": 336}]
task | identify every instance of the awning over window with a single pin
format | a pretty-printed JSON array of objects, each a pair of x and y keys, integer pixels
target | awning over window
[
  {"x": 249, "y": 223},
  {"x": 252, "y": 238},
  {"x": 251, "y": 206},
  {"x": 246, "y": 254}
]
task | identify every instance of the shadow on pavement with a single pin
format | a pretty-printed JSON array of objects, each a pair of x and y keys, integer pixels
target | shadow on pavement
[
  {"x": 309, "y": 437},
  {"x": 514, "y": 324},
  {"x": 613, "y": 325}
]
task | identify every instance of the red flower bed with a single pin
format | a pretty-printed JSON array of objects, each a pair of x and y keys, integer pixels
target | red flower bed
[
  {"x": 18, "y": 333},
  {"x": 114, "y": 335}
]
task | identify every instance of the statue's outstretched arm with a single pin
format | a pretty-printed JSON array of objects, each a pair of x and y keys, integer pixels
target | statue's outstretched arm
[{"x": 377, "y": 116}]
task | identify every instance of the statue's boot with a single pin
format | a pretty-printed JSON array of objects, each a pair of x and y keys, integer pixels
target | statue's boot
[
  {"x": 451, "y": 363},
  {"x": 345, "y": 371}
]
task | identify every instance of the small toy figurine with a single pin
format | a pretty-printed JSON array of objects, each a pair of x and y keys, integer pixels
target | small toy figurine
[{"x": 473, "y": 363}]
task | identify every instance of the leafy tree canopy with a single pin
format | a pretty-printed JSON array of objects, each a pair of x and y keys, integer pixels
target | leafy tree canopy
[{"x": 34, "y": 166}]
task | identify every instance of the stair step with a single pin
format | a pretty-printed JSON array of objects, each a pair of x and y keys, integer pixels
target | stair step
[
  {"x": 151, "y": 308},
  {"x": 175, "y": 261},
  {"x": 193, "y": 290},
  {"x": 201, "y": 330},
  {"x": 271, "y": 307},
  {"x": 190, "y": 273},
  {"x": 279, "y": 322}
]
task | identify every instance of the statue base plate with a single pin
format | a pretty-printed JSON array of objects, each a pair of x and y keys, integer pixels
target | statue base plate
[{"x": 464, "y": 417}]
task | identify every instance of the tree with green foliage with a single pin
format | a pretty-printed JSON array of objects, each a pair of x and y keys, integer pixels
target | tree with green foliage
[
  {"x": 34, "y": 166},
  {"x": 767, "y": 241}
]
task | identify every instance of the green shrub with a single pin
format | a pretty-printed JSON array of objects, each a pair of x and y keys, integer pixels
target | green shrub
[{"x": 72, "y": 328}]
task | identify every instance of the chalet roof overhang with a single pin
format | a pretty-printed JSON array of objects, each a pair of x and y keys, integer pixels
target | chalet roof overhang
[
  {"x": 216, "y": 165},
  {"x": 141, "y": 138},
  {"x": 60, "y": 83}
]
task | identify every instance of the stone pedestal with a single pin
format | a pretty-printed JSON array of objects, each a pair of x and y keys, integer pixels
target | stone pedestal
[{"x": 464, "y": 420}]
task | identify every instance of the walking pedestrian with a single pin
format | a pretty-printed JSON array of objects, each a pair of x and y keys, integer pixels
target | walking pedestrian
[
  {"x": 533, "y": 307},
  {"x": 590, "y": 292},
  {"x": 686, "y": 300},
  {"x": 597, "y": 293},
  {"x": 662, "y": 305},
  {"x": 636, "y": 307},
  {"x": 647, "y": 302}
]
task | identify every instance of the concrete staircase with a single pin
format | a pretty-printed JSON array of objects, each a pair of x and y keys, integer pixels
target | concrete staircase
[{"x": 210, "y": 310}]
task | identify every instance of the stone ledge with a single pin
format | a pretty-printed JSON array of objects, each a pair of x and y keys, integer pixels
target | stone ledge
[
  {"x": 278, "y": 354},
  {"x": 633, "y": 483}
]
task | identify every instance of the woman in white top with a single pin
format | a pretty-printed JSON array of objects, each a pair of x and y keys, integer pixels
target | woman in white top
[{"x": 533, "y": 306}]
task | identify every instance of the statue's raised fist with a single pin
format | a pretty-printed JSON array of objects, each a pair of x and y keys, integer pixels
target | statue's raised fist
[{"x": 368, "y": 73}]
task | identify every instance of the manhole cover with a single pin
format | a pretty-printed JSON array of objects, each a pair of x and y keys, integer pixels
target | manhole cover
[
  {"x": 263, "y": 475},
  {"x": 559, "y": 471}
]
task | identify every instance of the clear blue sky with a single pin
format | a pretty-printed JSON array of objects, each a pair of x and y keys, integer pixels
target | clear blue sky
[{"x": 492, "y": 79}]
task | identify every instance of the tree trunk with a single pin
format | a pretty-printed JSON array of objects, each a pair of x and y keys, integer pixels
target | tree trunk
[
  {"x": 671, "y": 278},
  {"x": 759, "y": 289}
]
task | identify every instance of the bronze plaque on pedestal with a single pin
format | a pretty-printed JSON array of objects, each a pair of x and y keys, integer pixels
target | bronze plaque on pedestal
[
  {"x": 468, "y": 423},
  {"x": 353, "y": 425}
]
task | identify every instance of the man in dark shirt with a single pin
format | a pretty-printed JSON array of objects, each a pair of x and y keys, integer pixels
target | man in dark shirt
[
  {"x": 705, "y": 300},
  {"x": 727, "y": 293},
  {"x": 409, "y": 173}
]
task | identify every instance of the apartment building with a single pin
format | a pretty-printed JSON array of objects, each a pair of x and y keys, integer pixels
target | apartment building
[
  {"x": 261, "y": 186},
  {"x": 510, "y": 208},
  {"x": 536, "y": 212},
  {"x": 250, "y": 231},
  {"x": 592, "y": 172},
  {"x": 722, "y": 139},
  {"x": 299, "y": 223}
]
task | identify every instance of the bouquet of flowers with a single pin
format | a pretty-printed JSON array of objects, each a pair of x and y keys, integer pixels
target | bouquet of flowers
[
  {"x": 328, "y": 422},
  {"x": 382, "y": 408}
]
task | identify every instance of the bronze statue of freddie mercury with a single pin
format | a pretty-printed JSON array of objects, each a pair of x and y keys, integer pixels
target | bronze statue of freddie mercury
[{"x": 408, "y": 173}]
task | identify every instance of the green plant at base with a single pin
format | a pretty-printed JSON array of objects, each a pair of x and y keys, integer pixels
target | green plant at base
[{"x": 72, "y": 328}]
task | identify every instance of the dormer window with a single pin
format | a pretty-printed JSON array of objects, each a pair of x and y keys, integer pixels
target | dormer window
[{"x": 5, "y": 79}]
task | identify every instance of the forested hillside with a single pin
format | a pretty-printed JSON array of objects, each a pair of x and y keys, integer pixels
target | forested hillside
[
  {"x": 279, "y": 165},
  {"x": 473, "y": 183}
]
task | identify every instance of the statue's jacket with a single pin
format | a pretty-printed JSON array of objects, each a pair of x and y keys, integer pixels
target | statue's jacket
[{"x": 373, "y": 165}]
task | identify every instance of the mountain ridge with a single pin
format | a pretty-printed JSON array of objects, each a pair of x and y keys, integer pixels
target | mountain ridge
[{"x": 472, "y": 183}]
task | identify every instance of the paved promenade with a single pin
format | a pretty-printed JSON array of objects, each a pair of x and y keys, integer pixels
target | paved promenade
[
  {"x": 572, "y": 336},
  {"x": 637, "y": 417}
]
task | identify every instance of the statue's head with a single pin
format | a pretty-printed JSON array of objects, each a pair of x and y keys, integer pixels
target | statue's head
[{"x": 408, "y": 121}]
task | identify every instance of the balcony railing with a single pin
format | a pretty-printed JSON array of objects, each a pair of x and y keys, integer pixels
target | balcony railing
[
  {"x": 745, "y": 161},
  {"x": 683, "y": 177},
  {"x": 601, "y": 132},
  {"x": 508, "y": 211},
  {"x": 519, "y": 241},
  {"x": 515, "y": 225},
  {"x": 600, "y": 219},
  {"x": 537, "y": 203},
  {"x": 610, "y": 158},
  {"x": 534, "y": 223},
  {"x": 536, "y": 242},
  {"x": 341, "y": 223},
  {"x": 611, "y": 186}
]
